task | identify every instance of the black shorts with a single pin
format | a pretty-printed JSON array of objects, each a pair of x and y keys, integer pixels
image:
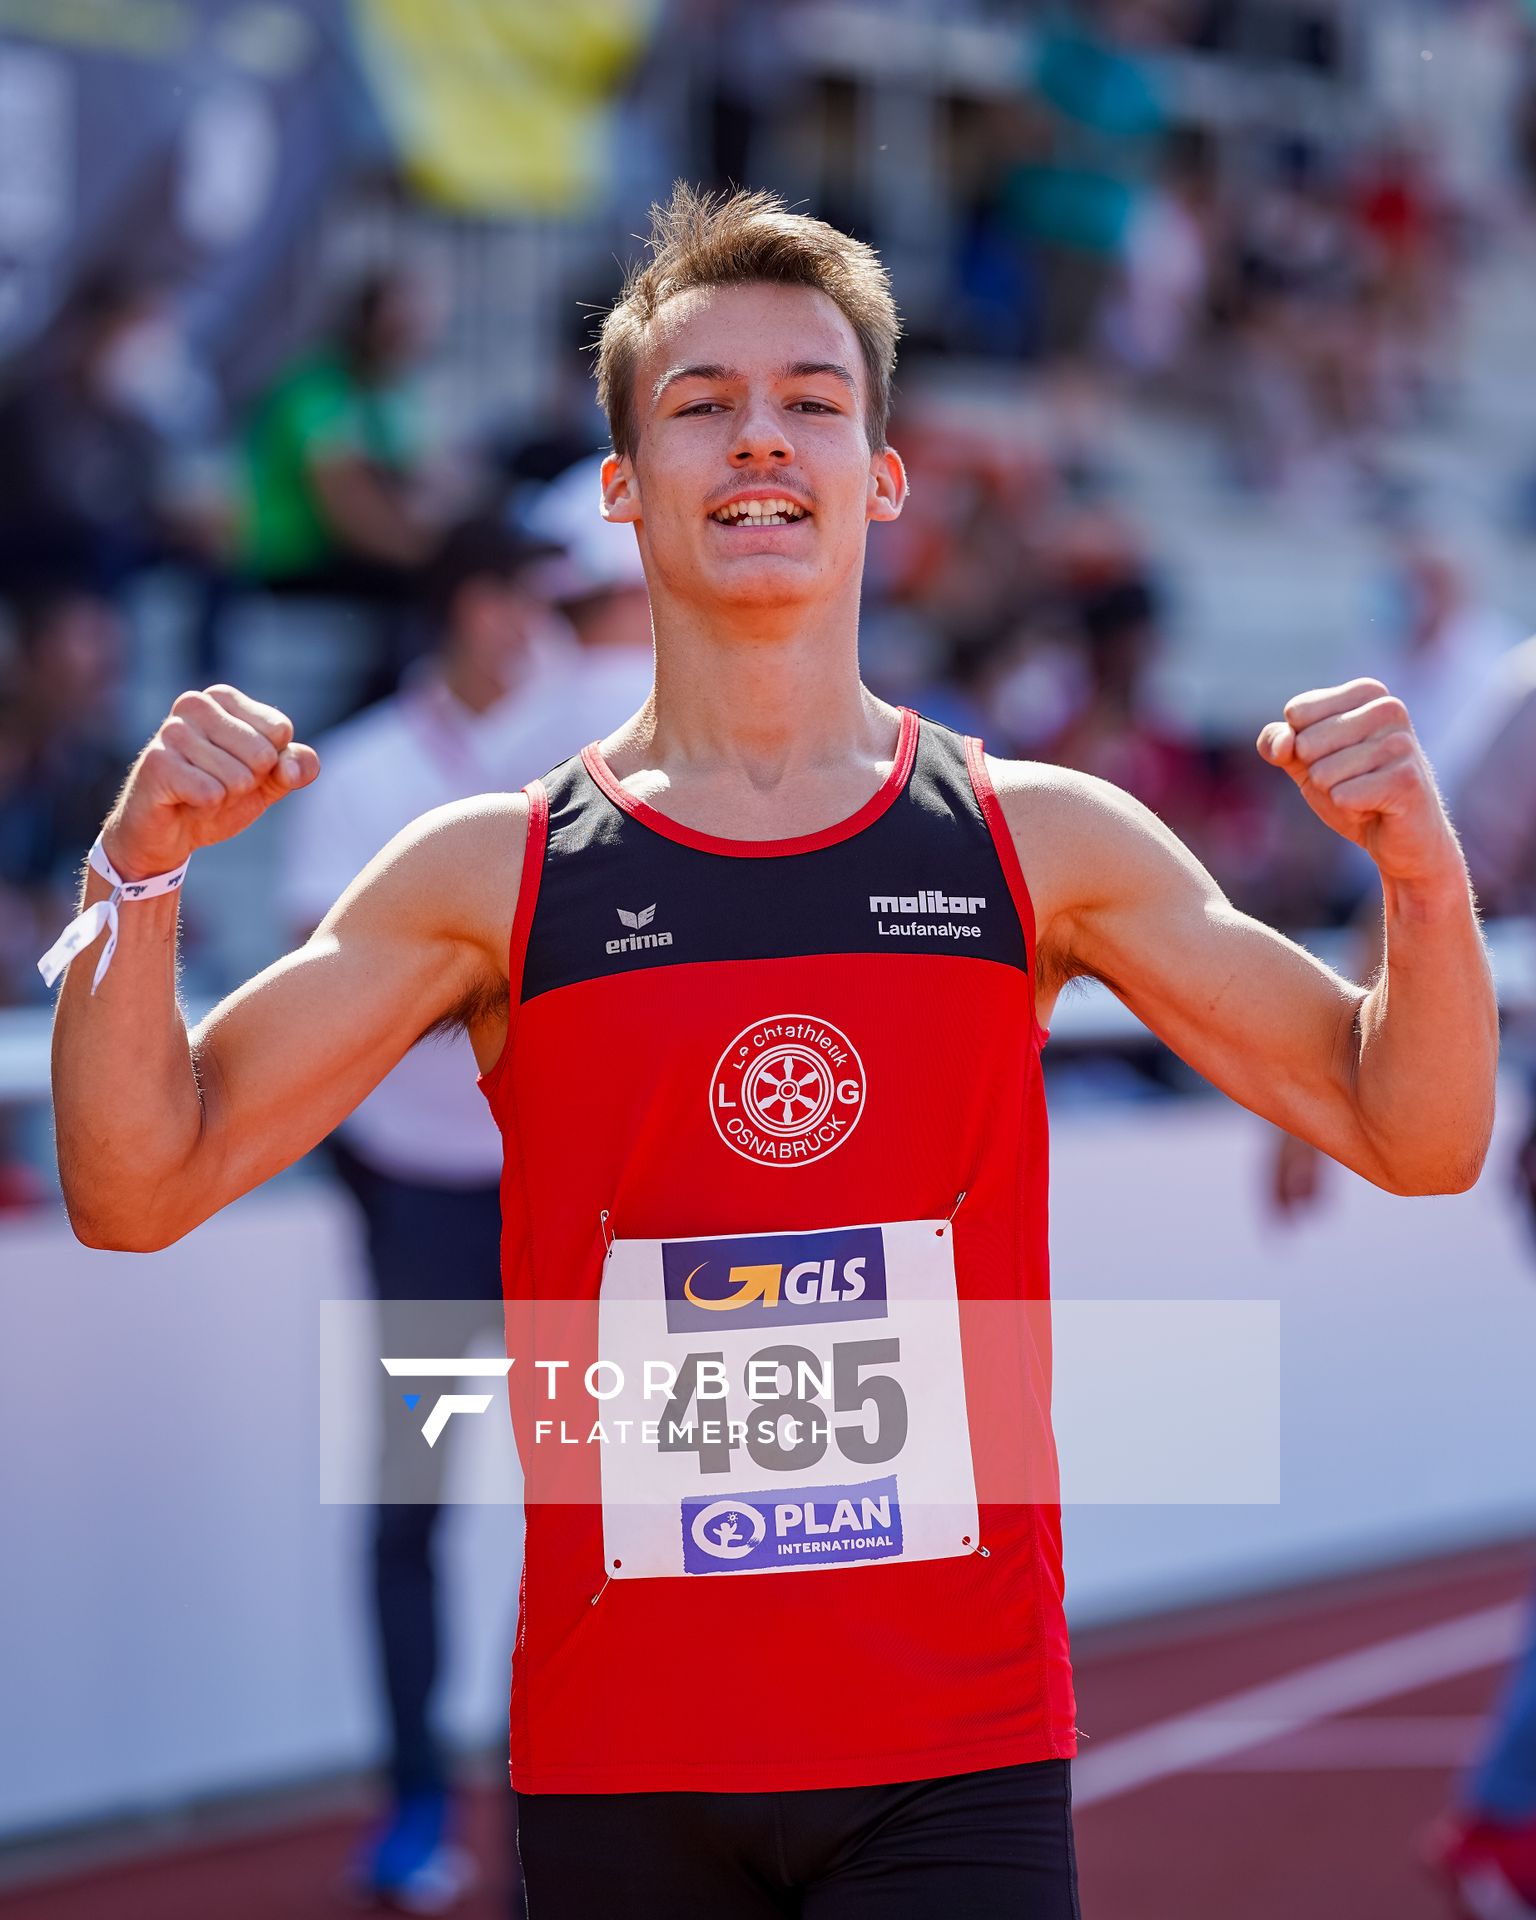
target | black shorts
[{"x": 983, "y": 1845}]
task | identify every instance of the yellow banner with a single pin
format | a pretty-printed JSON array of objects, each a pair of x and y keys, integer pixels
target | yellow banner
[{"x": 502, "y": 106}]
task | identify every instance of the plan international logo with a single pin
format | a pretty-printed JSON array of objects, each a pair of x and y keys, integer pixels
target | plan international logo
[
  {"x": 774, "y": 1279},
  {"x": 803, "y": 1526}
]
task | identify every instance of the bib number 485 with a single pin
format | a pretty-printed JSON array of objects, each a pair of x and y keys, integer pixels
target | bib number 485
[{"x": 852, "y": 1389}]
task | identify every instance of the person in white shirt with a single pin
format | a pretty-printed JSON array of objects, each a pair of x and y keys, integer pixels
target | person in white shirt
[
  {"x": 501, "y": 698},
  {"x": 598, "y": 585}
]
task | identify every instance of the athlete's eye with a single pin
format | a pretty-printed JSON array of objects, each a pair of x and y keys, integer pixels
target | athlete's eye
[
  {"x": 699, "y": 406},
  {"x": 817, "y": 406}
]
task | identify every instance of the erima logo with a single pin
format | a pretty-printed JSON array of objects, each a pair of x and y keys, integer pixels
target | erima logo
[
  {"x": 633, "y": 942},
  {"x": 967, "y": 903}
]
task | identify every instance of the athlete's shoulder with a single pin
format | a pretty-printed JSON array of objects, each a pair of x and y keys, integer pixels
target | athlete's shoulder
[
  {"x": 461, "y": 829},
  {"x": 1036, "y": 796},
  {"x": 473, "y": 839},
  {"x": 1079, "y": 838},
  {"x": 455, "y": 869}
]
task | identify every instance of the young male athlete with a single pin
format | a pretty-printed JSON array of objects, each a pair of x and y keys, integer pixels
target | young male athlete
[{"x": 758, "y": 988}]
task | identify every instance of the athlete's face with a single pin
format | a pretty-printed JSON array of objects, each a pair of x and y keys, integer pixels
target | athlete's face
[{"x": 746, "y": 396}]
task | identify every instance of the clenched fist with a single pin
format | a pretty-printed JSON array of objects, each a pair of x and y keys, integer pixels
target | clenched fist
[
  {"x": 1354, "y": 755},
  {"x": 218, "y": 760}
]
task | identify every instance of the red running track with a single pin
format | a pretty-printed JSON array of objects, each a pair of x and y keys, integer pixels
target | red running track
[{"x": 1270, "y": 1759}]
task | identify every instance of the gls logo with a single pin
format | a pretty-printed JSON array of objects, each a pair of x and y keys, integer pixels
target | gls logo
[
  {"x": 632, "y": 942},
  {"x": 446, "y": 1405},
  {"x": 786, "y": 1279}
]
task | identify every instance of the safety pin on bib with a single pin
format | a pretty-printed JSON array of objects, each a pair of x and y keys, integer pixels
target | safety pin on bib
[
  {"x": 602, "y": 1221},
  {"x": 938, "y": 1232}
]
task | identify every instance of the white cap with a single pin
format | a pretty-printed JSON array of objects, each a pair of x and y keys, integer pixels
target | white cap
[{"x": 599, "y": 555}]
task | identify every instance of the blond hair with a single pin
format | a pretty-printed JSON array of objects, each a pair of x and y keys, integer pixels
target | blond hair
[{"x": 725, "y": 240}]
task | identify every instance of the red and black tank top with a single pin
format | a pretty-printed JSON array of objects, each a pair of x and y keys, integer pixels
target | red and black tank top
[{"x": 774, "y": 1256}]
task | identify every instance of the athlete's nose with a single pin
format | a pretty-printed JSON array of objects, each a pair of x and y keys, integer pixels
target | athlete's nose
[{"x": 761, "y": 439}]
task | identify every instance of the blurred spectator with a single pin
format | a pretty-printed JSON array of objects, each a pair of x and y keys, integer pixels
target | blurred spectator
[
  {"x": 1073, "y": 197},
  {"x": 338, "y": 496},
  {"x": 1454, "y": 664},
  {"x": 1496, "y": 804},
  {"x": 568, "y": 426},
  {"x": 494, "y": 705},
  {"x": 1116, "y": 727},
  {"x": 1302, "y": 374},
  {"x": 343, "y": 497},
  {"x": 62, "y": 758},
  {"x": 965, "y": 556},
  {"x": 1445, "y": 653},
  {"x": 1495, "y": 809},
  {"x": 903, "y": 660},
  {"x": 599, "y": 585},
  {"x": 1156, "y": 314},
  {"x": 102, "y": 435},
  {"x": 1407, "y": 229},
  {"x": 1486, "y": 1847},
  {"x": 743, "y": 78},
  {"x": 61, "y": 762},
  {"x": 1117, "y": 733}
]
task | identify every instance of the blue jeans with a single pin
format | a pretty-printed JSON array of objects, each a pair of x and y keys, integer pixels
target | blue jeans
[{"x": 1502, "y": 1786}]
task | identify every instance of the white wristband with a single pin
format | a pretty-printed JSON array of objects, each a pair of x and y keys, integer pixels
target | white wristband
[{"x": 86, "y": 926}]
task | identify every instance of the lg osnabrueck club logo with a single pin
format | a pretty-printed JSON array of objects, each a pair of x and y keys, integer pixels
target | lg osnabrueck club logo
[{"x": 787, "y": 1090}]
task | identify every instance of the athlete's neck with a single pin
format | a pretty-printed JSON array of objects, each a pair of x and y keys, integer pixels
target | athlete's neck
[{"x": 755, "y": 736}]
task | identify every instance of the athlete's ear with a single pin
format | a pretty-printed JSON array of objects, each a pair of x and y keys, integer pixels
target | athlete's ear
[
  {"x": 621, "y": 488},
  {"x": 887, "y": 484}
]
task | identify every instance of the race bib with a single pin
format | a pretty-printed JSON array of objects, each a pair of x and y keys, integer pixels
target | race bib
[{"x": 779, "y": 1402}]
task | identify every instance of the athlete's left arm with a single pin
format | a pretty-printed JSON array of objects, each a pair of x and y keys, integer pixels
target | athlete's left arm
[{"x": 1395, "y": 1080}]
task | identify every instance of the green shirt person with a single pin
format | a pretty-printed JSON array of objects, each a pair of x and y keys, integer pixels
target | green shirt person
[{"x": 333, "y": 452}]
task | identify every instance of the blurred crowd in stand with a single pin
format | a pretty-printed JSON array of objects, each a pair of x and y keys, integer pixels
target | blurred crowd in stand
[{"x": 1109, "y": 254}]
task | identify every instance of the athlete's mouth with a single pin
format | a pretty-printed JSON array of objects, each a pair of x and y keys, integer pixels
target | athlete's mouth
[{"x": 774, "y": 511}]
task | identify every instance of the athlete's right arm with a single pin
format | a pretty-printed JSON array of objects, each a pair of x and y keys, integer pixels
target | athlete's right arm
[{"x": 158, "y": 1128}]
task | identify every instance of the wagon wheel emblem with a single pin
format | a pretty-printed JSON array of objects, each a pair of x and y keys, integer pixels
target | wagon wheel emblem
[{"x": 788, "y": 1090}]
